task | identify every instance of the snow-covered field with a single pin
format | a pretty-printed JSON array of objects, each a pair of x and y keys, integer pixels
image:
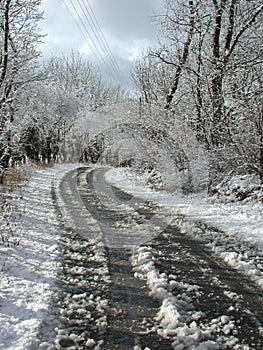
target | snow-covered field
[{"x": 29, "y": 260}]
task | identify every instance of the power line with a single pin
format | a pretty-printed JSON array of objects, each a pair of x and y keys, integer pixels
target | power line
[
  {"x": 97, "y": 37},
  {"x": 98, "y": 41},
  {"x": 100, "y": 49},
  {"x": 96, "y": 52},
  {"x": 81, "y": 31},
  {"x": 103, "y": 41}
]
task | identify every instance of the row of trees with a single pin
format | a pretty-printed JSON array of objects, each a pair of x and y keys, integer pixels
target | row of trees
[
  {"x": 39, "y": 102},
  {"x": 208, "y": 72},
  {"x": 69, "y": 89}
]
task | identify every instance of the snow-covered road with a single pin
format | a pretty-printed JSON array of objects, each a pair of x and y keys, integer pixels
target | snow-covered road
[{"x": 104, "y": 263}]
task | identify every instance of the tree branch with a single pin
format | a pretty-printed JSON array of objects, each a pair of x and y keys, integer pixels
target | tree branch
[{"x": 241, "y": 32}]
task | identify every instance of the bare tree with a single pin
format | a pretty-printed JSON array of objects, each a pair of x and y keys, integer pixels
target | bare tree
[
  {"x": 232, "y": 20},
  {"x": 178, "y": 14},
  {"x": 212, "y": 54}
]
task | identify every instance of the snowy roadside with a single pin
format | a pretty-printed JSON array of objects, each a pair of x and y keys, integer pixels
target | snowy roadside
[
  {"x": 31, "y": 268},
  {"x": 232, "y": 230}
]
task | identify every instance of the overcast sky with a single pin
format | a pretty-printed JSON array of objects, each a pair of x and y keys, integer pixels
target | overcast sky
[{"x": 126, "y": 24}]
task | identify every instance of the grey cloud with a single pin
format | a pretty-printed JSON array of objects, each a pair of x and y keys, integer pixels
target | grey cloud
[
  {"x": 126, "y": 25},
  {"x": 127, "y": 19}
]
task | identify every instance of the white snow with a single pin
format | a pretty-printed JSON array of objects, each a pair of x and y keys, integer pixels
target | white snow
[
  {"x": 233, "y": 230},
  {"x": 28, "y": 270},
  {"x": 177, "y": 317},
  {"x": 29, "y": 265},
  {"x": 29, "y": 261}
]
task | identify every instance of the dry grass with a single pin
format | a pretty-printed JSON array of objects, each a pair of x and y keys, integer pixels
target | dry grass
[
  {"x": 20, "y": 174},
  {"x": 15, "y": 175}
]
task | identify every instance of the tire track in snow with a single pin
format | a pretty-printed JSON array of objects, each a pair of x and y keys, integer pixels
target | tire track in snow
[
  {"x": 132, "y": 311},
  {"x": 230, "y": 305},
  {"x": 82, "y": 282},
  {"x": 186, "y": 262},
  {"x": 228, "y": 300}
]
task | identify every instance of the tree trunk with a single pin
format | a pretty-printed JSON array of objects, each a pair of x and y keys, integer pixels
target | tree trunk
[
  {"x": 184, "y": 56},
  {"x": 5, "y": 27},
  {"x": 217, "y": 108}
]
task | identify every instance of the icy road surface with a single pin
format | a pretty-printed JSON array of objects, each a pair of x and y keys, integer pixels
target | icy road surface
[{"x": 118, "y": 271}]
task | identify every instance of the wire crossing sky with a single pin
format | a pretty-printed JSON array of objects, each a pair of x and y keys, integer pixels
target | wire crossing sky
[
  {"x": 86, "y": 21},
  {"x": 110, "y": 33}
]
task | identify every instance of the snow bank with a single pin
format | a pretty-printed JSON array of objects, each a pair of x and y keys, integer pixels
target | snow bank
[
  {"x": 177, "y": 318},
  {"x": 246, "y": 188}
]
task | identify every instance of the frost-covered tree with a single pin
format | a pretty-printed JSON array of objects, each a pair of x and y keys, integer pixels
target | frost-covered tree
[
  {"x": 232, "y": 26},
  {"x": 152, "y": 79},
  {"x": 79, "y": 89},
  {"x": 178, "y": 21},
  {"x": 48, "y": 115},
  {"x": 212, "y": 59},
  {"x": 19, "y": 38},
  {"x": 75, "y": 75}
]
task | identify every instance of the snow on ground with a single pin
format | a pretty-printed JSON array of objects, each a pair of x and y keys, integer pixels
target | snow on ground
[
  {"x": 30, "y": 261},
  {"x": 28, "y": 270},
  {"x": 30, "y": 248},
  {"x": 177, "y": 316},
  {"x": 233, "y": 230}
]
